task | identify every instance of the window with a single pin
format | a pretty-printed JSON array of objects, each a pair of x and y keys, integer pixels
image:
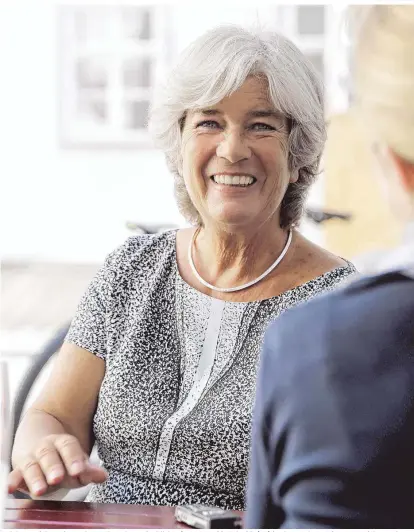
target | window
[
  {"x": 111, "y": 58},
  {"x": 305, "y": 26},
  {"x": 311, "y": 20}
]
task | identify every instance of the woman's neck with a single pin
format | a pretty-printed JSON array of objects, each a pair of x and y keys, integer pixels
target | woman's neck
[{"x": 229, "y": 258}]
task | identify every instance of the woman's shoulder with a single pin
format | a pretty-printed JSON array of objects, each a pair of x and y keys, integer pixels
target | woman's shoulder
[
  {"x": 140, "y": 250},
  {"x": 317, "y": 261},
  {"x": 332, "y": 269},
  {"x": 316, "y": 270}
]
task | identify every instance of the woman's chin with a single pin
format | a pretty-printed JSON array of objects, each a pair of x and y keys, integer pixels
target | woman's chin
[{"x": 232, "y": 218}]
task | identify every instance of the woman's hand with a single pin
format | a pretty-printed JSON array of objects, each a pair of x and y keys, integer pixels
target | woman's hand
[
  {"x": 54, "y": 438},
  {"x": 58, "y": 461}
]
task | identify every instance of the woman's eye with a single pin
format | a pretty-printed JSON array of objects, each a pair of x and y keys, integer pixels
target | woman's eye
[
  {"x": 210, "y": 124},
  {"x": 260, "y": 126}
]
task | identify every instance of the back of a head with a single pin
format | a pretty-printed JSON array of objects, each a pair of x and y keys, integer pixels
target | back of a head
[{"x": 384, "y": 74}]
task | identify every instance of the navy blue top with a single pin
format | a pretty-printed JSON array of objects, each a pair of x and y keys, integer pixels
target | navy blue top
[{"x": 333, "y": 429}]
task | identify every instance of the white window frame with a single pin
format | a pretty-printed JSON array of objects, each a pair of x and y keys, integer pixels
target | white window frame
[
  {"x": 73, "y": 133},
  {"x": 337, "y": 61},
  {"x": 287, "y": 17},
  {"x": 333, "y": 46}
]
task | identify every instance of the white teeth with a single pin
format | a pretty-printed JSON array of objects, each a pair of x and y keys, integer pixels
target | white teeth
[{"x": 237, "y": 180}]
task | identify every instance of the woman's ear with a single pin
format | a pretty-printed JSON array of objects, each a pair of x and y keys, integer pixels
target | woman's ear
[
  {"x": 405, "y": 171},
  {"x": 294, "y": 176}
]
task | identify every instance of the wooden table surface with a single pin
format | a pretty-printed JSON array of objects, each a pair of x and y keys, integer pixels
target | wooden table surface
[{"x": 55, "y": 514}]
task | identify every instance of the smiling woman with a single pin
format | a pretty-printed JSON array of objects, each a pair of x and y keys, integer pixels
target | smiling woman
[
  {"x": 159, "y": 366},
  {"x": 241, "y": 122}
]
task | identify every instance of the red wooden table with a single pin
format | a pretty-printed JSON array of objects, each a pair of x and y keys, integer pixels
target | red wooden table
[{"x": 54, "y": 514}]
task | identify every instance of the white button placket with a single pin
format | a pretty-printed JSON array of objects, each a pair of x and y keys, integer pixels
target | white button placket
[{"x": 204, "y": 369}]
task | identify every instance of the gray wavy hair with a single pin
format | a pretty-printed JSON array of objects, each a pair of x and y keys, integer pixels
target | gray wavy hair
[{"x": 216, "y": 65}]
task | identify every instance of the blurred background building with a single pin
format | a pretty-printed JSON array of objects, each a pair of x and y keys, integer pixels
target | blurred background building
[{"x": 78, "y": 167}]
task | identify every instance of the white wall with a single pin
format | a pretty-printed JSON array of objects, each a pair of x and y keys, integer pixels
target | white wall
[
  {"x": 59, "y": 204},
  {"x": 72, "y": 204}
]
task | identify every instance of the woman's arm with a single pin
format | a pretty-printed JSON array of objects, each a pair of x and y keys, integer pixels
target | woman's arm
[{"x": 55, "y": 438}]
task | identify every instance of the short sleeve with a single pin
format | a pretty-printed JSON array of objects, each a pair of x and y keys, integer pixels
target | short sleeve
[{"x": 88, "y": 327}]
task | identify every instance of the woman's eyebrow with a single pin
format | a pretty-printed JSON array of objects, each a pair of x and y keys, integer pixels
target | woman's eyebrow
[
  {"x": 265, "y": 113},
  {"x": 208, "y": 112},
  {"x": 256, "y": 113}
]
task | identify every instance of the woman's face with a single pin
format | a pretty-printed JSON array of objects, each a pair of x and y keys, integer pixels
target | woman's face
[{"x": 234, "y": 154}]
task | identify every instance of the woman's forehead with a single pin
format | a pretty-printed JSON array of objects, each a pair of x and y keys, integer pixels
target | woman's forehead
[
  {"x": 250, "y": 98},
  {"x": 254, "y": 92}
]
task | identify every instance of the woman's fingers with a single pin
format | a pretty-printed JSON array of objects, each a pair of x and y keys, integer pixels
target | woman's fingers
[
  {"x": 33, "y": 476},
  {"x": 58, "y": 459},
  {"x": 15, "y": 481},
  {"x": 50, "y": 462},
  {"x": 72, "y": 454},
  {"x": 93, "y": 474}
]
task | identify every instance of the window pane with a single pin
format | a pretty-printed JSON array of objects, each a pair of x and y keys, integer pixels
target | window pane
[
  {"x": 317, "y": 61},
  {"x": 91, "y": 110},
  {"x": 311, "y": 20},
  {"x": 92, "y": 24},
  {"x": 137, "y": 24},
  {"x": 136, "y": 114},
  {"x": 92, "y": 73},
  {"x": 137, "y": 72}
]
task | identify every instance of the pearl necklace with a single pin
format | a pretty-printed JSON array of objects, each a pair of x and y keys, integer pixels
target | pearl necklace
[{"x": 243, "y": 286}]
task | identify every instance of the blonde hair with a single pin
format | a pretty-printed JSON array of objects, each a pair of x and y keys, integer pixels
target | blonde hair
[
  {"x": 383, "y": 68},
  {"x": 217, "y": 64}
]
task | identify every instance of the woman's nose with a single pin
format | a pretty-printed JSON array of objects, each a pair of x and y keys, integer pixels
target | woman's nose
[{"x": 233, "y": 147}]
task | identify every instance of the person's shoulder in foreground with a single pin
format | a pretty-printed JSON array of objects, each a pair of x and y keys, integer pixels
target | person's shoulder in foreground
[{"x": 333, "y": 430}]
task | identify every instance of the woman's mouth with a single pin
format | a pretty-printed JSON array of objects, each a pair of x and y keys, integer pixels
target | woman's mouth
[{"x": 234, "y": 180}]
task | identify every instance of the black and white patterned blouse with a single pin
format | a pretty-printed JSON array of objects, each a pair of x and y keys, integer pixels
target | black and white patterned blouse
[{"x": 172, "y": 423}]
